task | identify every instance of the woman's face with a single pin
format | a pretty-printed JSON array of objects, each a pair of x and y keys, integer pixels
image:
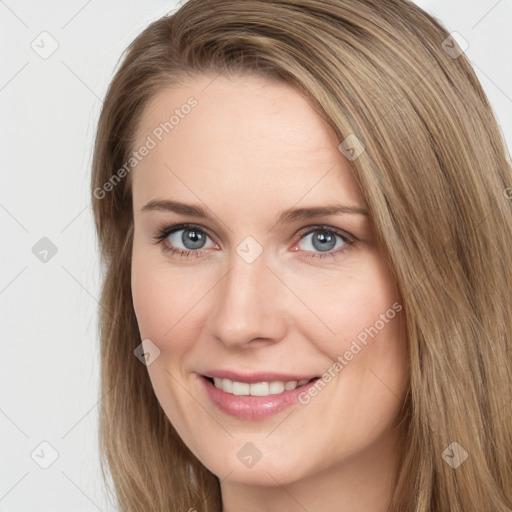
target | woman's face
[{"x": 265, "y": 290}]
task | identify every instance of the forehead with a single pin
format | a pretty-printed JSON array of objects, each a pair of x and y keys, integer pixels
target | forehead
[{"x": 244, "y": 136}]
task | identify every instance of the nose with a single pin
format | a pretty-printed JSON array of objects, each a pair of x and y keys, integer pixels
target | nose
[{"x": 250, "y": 305}]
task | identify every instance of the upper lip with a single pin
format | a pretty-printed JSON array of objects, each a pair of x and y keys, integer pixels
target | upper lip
[{"x": 252, "y": 378}]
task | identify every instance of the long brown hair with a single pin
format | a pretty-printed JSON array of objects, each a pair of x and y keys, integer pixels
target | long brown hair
[{"x": 435, "y": 175}]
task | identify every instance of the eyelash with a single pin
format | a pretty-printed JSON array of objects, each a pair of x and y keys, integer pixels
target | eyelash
[{"x": 165, "y": 231}]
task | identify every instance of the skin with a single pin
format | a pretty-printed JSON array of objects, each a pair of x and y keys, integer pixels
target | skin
[{"x": 250, "y": 149}]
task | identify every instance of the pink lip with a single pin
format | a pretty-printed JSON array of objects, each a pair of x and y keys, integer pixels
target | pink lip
[{"x": 253, "y": 407}]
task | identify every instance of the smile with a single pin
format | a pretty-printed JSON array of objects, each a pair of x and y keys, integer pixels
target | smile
[
  {"x": 257, "y": 388},
  {"x": 255, "y": 400}
]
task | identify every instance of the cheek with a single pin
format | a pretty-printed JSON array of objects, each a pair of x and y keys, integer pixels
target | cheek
[
  {"x": 161, "y": 309},
  {"x": 358, "y": 304},
  {"x": 161, "y": 299},
  {"x": 150, "y": 298}
]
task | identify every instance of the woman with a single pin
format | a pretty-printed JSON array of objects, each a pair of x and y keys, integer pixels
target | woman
[{"x": 304, "y": 214}]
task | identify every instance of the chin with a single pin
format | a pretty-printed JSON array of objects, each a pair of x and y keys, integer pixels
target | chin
[{"x": 275, "y": 469}]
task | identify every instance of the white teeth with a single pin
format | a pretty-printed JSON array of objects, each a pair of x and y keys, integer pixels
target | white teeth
[
  {"x": 227, "y": 385},
  {"x": 276, "y": 387},
  {"x": 292, "y": 384},
  {"x": 258, "y": 388},
  {"x": 241, "y": 388}
]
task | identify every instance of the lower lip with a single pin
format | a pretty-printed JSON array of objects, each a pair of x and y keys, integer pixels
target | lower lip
[{"x": 253, "y": 407}]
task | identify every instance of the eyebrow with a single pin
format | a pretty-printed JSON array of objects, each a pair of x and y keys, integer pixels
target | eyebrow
[{"x": 290, "y": 215}]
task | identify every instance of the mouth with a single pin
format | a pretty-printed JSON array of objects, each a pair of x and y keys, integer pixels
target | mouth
[
  {"x": 256, "y": 400},
  {"x": 264, "y": 388}
]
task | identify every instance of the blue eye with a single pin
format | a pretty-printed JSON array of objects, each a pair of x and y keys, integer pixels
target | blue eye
[
  {"x": 325, "y": 240},
  {"x": 192, "y": 237},
  {"x": 329, "y": 242}
]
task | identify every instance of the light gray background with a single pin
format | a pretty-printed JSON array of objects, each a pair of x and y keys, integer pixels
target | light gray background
[{"x": 49, "y": 107}]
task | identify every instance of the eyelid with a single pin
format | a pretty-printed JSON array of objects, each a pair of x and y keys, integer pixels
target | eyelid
[
  {"x": 167, "y": 230},
  {"x": 323, "y": 227}
]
